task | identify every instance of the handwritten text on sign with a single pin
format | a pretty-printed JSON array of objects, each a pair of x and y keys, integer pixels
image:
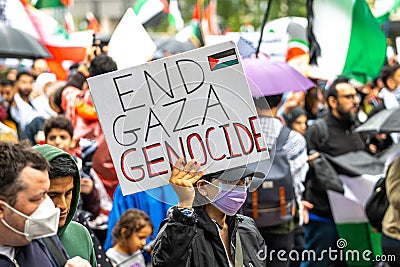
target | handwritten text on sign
[{"x": 196, "y": 105}]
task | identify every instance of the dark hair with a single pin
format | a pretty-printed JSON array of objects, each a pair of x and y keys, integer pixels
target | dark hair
[
  {"x": 57, "y": 97},
  {"x": 58, "y": 122},
  {"x": 374, "y": 82},
  {"x": 332, "y": 91},
  {"x": 14, "y": 157},
  {"x": 21, "y": 73},
  {"x": 267, "y": 102},
  {"x": 7, "y": 82},
  {"x": 63, "y": 166},
  {"x": 132, "y": 220},
  {"x": 102, "y": 64},
  {"x": 294, "y": 114},
  {"x": 388, "y": 72}
]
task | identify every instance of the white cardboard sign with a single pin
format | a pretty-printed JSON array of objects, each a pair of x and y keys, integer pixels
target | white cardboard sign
[{"x": 195, "y": 104}]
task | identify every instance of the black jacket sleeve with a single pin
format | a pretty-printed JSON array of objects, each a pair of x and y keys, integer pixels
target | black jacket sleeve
[
  {"x": 312, "y": 138},
  {"x": 173, "y": 245}
]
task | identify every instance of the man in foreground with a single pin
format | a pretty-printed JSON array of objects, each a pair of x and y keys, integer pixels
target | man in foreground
[{"x": 27, "y": 214}]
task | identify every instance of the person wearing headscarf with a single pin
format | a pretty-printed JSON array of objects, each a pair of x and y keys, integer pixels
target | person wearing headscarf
[{"x": 297, "y": 120}]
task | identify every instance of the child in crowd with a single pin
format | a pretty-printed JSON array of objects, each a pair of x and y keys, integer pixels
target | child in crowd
[
  {"x": 297, "y": 120},
  {"x": 129, "y": 237}
]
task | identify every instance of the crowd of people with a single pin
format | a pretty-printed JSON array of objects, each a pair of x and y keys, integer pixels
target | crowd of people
[{"x": 53, "y": 155}]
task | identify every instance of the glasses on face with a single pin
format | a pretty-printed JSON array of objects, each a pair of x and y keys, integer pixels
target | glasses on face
[
  {"x": 246, "y": 181},
  {"x": 350, "y": 96}
]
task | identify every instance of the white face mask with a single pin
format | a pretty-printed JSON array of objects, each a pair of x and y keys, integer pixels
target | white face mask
[{"x": 41, "y": 223}]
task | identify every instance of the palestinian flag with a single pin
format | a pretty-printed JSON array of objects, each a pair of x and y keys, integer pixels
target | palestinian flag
[
  {"x": 355, "y": 233},
  {"x": 223, "y": 59},
  {"x": 192, "y": 32},
  {"x": 358, "y": 172},
  {"x": 346, "y": 39},
  {"x": 62, "y": 46},
  {"x": 151, "y": 12},
  {"x": 196, "y": 36},
  {"x": 54, "y": 37}
]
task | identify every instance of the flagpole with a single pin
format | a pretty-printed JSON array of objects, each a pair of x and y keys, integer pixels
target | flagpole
[
  {"x": 263, "y": 25},
  {"x": 315, "y": 49},
  {"x": 201, "y": 7}
]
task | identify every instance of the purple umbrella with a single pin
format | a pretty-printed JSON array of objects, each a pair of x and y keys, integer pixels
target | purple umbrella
[{"x": 273, "y": 77}]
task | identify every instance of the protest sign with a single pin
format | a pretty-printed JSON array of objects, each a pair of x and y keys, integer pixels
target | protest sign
[{"x": 193, "y": 105}]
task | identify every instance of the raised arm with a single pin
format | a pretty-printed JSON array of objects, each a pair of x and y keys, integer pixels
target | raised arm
[{"x": 173, "y": 245}]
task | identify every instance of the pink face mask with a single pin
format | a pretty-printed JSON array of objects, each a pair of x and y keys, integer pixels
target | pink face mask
[{"x": 229, "y": 198}]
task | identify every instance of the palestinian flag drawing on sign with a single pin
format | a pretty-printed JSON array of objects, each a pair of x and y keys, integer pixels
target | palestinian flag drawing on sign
[{"x": 223, "y": 59}]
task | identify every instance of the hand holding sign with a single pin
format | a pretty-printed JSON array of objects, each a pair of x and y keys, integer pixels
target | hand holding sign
[{"x": 182, "y": 180}]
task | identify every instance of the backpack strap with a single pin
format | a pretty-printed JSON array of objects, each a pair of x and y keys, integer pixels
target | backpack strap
[
  {"x": 238, "y": 251},
  {"x": 254, "y": 204},
  {"x": 55, "y": 251},
  {"x": 322, "y": 130},
  {"x": 280, "y": 142},
  {"x": 282, "y": 137}
]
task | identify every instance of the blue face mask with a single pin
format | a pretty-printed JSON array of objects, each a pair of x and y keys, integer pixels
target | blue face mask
[{"x": 229, "y": 198}]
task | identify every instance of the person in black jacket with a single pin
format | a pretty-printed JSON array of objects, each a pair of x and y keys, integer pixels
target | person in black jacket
[
  {"x": 320, "y": 231},
  {"x": 211, "y": 233}
]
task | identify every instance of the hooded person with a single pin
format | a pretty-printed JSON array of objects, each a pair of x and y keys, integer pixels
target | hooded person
[{"x": 64, "y": 192}]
